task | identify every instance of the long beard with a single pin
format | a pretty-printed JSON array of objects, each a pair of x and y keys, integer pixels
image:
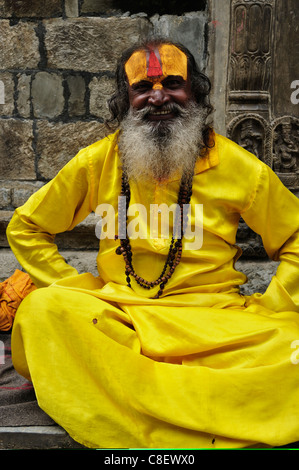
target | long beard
[{"x": 161, "y": 149}]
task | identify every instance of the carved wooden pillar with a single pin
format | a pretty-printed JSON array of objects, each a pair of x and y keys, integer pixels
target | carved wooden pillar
[
  {"x": 260, "y": 115},
  {"x": 251, "y": 55},
  {"x": 250, "y": 72}
]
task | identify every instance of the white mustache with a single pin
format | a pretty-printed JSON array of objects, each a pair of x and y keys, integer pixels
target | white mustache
[{"x": 167, "y": 109}]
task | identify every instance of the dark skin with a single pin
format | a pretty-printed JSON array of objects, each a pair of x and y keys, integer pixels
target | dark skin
[{"x": 173, "y": 89}]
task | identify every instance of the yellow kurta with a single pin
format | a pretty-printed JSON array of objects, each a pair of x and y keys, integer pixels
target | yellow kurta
[{"x": 202, "y": 366}]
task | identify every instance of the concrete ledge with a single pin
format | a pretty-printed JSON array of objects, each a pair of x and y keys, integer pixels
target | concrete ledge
[
  {"x": 83, "y": 261},
  {"x": 82, "y": 237},
  {"x": 36, "y": 437}
]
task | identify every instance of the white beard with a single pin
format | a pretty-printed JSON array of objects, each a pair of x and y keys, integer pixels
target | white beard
[{"x": 160, "y": 149}]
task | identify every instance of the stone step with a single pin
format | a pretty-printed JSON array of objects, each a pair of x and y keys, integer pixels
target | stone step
[
  {"x": 82, "y": 237},
  {"x": 36, "y": 437},
  {"x": 83, "y": 261}
]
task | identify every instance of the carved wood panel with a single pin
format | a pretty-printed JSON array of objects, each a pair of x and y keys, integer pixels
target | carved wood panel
[{"x": 261, "y": 69}]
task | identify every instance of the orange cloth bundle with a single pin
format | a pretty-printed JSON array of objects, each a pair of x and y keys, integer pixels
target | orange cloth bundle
[{"x": 12, "y": 291}]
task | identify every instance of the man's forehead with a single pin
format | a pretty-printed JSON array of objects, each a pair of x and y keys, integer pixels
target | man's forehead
[{"x": 155, "y": 62}]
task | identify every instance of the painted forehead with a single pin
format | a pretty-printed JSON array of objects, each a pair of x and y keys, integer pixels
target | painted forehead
[{"x": 155, "y": 63}]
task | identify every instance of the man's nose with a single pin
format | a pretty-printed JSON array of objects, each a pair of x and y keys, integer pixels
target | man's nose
[{"x": 158, "y": 97}]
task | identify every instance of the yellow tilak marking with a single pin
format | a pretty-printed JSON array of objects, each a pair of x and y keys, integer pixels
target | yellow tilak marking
[{"x": 174, "y": 62}]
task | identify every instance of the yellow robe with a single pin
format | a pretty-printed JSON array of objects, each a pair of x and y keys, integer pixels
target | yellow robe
[{"x": 200, "y": 367}]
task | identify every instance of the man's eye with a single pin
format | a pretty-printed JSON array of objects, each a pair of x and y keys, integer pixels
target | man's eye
[
  {"x": 143, "y": 86},
  {"x": 172, "y": 83}
]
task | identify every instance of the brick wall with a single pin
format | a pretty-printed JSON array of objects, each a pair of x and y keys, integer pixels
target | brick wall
[{"x": 57, "y": 62}]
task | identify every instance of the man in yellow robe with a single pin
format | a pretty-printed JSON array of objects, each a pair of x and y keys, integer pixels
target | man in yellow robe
[{"x": 161, "y": 349}]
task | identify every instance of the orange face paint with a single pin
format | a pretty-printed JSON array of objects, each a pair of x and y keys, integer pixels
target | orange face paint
[{"x": 156, "y": 64}]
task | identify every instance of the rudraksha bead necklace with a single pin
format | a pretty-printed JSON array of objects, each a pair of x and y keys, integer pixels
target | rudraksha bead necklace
[{"x": 175, "y": 248}]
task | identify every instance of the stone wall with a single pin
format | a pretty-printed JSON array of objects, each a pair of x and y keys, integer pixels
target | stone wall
[{"x": 57, "y": 63}]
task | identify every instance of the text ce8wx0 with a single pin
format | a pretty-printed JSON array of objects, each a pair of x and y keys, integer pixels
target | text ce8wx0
[{"x": 151, "y": 459}]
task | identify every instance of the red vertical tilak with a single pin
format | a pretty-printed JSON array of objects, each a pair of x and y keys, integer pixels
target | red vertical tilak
[{"x": 154, "y": 67}]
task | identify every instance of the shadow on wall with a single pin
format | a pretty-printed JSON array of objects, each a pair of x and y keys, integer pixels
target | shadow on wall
[{"x": 152, "y": 7}]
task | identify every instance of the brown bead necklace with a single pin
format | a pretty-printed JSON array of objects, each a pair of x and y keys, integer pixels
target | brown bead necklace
[{"x": 175, "y": 248}]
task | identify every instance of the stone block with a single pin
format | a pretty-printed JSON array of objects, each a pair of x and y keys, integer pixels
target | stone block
[
  {"x": 100, "y": 90},
  {"x": 5, "y": 217},
  {"x": 25, "y": 9},
  {"x": 47, "y": 95},
  {"x": 76, "y": 102},
  {"x": 8, "y": 263},
  {"x": 82, "y": 237},
  {"x": 84, "y": 261},
  {"x": 36, "y": 438},
  {"x": 5, "y": 197},
  {"x": 22, "y": 191},
  {"x": 23, "y": 96},
  {"x": 57, "y": 143},
  {"x": 17, "y": 157},
  {"x": 19, "y": 46},
  {"x": 14, "y": 194},
  {"x": 97, "y": 6},
  {"x": 188, "y": 29},
  {"x": 7, "y": 108},
  {"x": 90, "y": 44},
  {"x": 258, "y": 272},
  {"x": 71, "y": 8}
]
